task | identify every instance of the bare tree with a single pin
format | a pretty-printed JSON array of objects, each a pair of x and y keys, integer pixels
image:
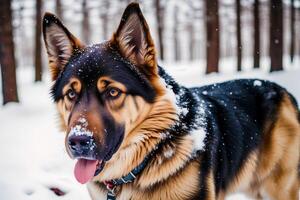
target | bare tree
[
  {"x": 159, "y": 12},
  {"x": 292, "y": 31},
  {"x": 19, "y": 34},
  {"x": 177, "y": 54},
  {"x": 38, "y": 54},
  {"x": 85, "y": 23},
  {"x": 238, "y": 35},
  {"x": 58, "y": 9},
  {"x": 212, "y": 36},
  {"x": 276, "y": 35},
  {"x": 190, "y": 26},
  {"x": 192, "y": 41},
  {"x": 256, "y": 48},
  {"x": 104, "y": 17},
  {"x": 7, "y": 56}
]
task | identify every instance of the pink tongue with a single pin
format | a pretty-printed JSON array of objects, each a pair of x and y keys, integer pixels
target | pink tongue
[{"x": 85, "y": 170}]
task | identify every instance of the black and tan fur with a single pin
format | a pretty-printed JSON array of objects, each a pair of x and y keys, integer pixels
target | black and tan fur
[{"x": 252, "y": 130}]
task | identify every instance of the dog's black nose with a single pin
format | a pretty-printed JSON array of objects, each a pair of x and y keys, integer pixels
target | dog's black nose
[{"x": 81, "y": 145}]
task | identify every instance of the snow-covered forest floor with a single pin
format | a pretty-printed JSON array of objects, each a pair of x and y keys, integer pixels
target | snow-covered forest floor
[{"x": 33, "y": 157}]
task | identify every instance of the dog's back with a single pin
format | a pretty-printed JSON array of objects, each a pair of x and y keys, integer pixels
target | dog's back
[{"x": 254, "y": 136}]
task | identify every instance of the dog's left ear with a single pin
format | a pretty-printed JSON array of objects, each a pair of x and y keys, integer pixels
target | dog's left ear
[
  {"x": 60, "y": 44},
  {"x": 133, "y": 40}
]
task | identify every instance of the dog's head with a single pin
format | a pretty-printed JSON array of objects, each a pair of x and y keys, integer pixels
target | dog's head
[{"x": 107, "y": 95}]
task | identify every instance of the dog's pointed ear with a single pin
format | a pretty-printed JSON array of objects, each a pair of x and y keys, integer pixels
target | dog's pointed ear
[
  {"x": 133, "y": 40},
  {"x": 60, "y": 44}
]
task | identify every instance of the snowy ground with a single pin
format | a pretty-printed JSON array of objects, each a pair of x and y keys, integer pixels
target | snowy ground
[{"x": 33, "y": 157}]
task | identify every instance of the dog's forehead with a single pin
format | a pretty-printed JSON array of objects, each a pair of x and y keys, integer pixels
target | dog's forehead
[{"x": 95, "y": 61}]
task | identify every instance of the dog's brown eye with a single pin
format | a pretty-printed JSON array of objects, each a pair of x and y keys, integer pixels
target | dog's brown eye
[
  {"x": 114, "y": 92},
  {"x": 71, "y": 94}
]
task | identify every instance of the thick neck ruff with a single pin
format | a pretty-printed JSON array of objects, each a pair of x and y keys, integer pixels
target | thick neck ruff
[{"x": 130, "y": 177}]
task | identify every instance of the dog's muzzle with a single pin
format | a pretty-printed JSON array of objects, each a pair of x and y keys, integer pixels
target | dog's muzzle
[{"x": 82, "y": 146}]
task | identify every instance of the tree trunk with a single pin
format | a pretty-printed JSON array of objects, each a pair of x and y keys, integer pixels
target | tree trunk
[
  {"x": 38, "y": 54},
  {"x": 276, "y": 35},
  {"x": 175, "y": 36},
  {"x": 7, "y": 56},
  {"x": 85, "y": 23},
  {"x": 104, "y": 18},
  {"x": 292, "y": 45},
  {"x": 238, "y": 35},
  {"x": 18, "y": 34},
  {"x": 256, "y": 49},
  {"x": 212, "y": 36},
  {"x": 192, "y": 41},
  {"x": 160, "y": 26},
  {"x": 58, "y": 9}
]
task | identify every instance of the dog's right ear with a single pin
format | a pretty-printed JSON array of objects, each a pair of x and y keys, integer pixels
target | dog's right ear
[
  {"x": 60, "y": 44},
  {"x": 134, "y": 42}
]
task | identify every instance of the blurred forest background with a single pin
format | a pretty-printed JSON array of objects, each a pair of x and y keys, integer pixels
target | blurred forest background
[{"x": 184, "y": 30}]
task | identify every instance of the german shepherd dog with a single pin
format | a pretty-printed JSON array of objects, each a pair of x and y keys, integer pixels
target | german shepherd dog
[{"x": 138, "y": 134}]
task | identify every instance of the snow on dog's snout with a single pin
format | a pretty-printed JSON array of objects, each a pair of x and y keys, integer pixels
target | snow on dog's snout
[{"x": 81, "y": 128}]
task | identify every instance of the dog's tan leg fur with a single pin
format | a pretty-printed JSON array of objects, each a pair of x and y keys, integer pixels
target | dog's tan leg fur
[
  {"x": 279, "y": 156},
  {"x": 272, "y": 171},
  {"x": 211, "y": 194}
]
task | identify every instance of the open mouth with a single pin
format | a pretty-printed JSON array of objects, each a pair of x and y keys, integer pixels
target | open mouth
[
  {"x": 89, "y": 163},
  {"x": 86, "y": 169}
]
